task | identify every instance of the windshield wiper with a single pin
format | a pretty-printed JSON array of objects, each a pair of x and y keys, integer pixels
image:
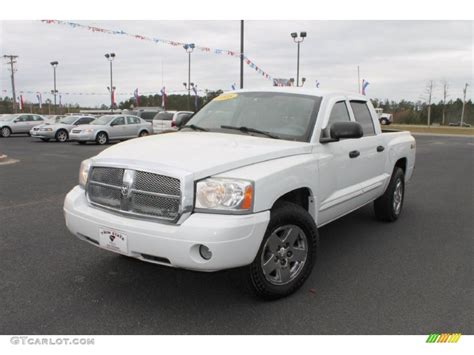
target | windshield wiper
[
  {"x": 251, "y": 130},
  {"x": 196, "y": 128}
]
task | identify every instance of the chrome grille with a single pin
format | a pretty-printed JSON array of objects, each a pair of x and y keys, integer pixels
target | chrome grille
[
  {"x": 108, "y": 176},
  {"x": 137, "y": 193}
]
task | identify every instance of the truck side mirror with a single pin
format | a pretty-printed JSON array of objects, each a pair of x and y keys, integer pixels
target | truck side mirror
[{"x": 341, "y": 130}]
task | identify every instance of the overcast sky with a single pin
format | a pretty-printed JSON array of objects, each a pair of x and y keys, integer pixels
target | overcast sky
[{"x": 396, "y": 57}]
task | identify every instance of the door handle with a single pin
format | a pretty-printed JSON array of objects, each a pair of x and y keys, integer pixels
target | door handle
[
  {"x": 380, "y": 148},
  {"x": 354, "y": 154}
]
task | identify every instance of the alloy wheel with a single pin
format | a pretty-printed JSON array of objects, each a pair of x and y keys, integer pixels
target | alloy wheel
[{"x": 284, "y": 254}]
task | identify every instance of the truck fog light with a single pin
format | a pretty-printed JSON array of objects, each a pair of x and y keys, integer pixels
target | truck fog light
[{"x": 205, "y": 252}]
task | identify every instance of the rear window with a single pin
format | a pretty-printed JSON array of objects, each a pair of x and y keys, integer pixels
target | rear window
[
  {"x": 164, "y": 116},
  {"x": 362, "y": 115},
  {"x": 148, "y": 115}
]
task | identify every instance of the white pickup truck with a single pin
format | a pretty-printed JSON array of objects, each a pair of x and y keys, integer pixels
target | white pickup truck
[{"x": 247, "y": 182}]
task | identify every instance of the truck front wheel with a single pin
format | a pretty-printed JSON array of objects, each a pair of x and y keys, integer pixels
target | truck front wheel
[
  {"x": 389, "y": 206},
  {"x": 287, "y": 253}
]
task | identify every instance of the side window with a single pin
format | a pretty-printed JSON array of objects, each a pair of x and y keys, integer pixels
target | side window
[
  {"x": 83, "y": 120},
  {"x": 30, "y": 118},
  {"x": 339, "y": 113},
  {"x": 362, "y": 115},
  {"x": 119, "y": 121},
  {"x": 132, "y": 120},
  {"x": 39, "y": 118}
]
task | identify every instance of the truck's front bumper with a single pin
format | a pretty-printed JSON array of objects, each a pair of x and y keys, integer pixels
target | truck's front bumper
[{"x": 233, "y": 239}]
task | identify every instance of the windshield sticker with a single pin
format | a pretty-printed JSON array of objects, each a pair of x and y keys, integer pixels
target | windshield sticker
[{"x": 224, "y": 97}]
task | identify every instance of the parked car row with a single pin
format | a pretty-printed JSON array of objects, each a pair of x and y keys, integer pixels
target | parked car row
[{"x": 88, "y": 128}]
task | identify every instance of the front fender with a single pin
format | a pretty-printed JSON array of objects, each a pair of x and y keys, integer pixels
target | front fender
[{"x": 277, "y": 177}]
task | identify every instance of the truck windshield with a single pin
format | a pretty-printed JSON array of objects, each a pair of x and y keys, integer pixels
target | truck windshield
[{"x": 286, "y": 116}]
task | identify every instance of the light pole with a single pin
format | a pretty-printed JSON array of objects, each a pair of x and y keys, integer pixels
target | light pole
[
  {"x": 188, "y": 87},
  {"x": 189, "y": 48},
  {"x": 298, "y": 41},
  {"x": 110, "y": 57},
  {"x": 463, "y": 104},
  {"x": 54, "y": 91}
]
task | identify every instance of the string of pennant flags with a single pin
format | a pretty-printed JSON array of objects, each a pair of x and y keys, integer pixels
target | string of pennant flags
[{"x": 203, "y": 49}]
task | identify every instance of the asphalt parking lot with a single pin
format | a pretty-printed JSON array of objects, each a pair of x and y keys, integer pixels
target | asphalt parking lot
[{"x": 411, "y": 277}]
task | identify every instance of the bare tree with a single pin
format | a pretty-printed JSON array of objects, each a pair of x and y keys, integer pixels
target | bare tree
[
  {"x": 445, "y": 95},
  {"x": 429, "y": 98}
]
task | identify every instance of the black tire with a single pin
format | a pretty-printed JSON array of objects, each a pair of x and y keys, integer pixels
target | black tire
[
  {"x": 61, "y": 136},
  {"x": 102, "y": 138},
  {"x": 143, "y": 133},
  {"x": 5, "y": 132},
  {"x": 267, "y": 285},
  {"x": 45, "y": 139},
  {"x": 389, "y": 206}
]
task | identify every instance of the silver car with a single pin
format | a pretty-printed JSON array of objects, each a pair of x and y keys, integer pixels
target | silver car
[
  {"x": 59, "y": 131},
  {"x": 111, "y": 127},
  {"x": 19, "y": 123}
]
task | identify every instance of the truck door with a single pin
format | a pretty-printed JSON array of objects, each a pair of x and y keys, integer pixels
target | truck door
[
  {"x": 373, "y": 154},
  {"x": 339, "y": 169}
]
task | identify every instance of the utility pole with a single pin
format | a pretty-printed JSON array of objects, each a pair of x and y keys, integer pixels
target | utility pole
[
  {"x": 463, "y": 103},
  {"x": 12, "y": 61},
  {"x": 445, "y": 96},
  {"x": 241, "y": 54},
  {"x": 429, "y": 92}
]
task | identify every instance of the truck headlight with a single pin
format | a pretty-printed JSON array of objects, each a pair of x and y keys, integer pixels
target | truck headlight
[
  {"x": 224, "y": 195},
  {"x": 84, "y": 172}
]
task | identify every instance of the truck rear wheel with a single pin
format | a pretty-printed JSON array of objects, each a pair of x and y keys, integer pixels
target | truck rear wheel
[
  {"x": 389, "y": 206},
  {"x": 287, "y": 253}
]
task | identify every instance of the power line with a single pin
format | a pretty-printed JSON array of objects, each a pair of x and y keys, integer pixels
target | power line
[{"x": 12, "y": 61}]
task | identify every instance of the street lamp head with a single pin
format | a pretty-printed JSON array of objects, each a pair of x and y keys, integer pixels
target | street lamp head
[
  {"x": 294, "y": 35},
  {"x": 185, "y": 85},
  {"x": 302, "y": 34},
  {"x": 55, "y": 63},
  {"x": 189, "y": 47},
  {"x": 112, "y": 55},
  {"x": 107, "y": 56}
]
